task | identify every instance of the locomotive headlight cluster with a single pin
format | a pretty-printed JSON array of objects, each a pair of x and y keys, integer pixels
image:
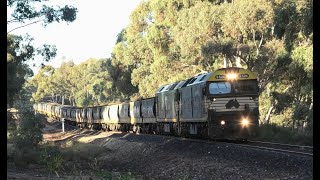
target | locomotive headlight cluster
[
  {"x": 231, "y": 76},
  {"x": 223, "y": 123},
  {"x": 245, "y": 122}
]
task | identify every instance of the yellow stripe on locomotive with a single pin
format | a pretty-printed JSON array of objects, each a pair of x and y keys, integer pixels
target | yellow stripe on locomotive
[{"x": 227, "y": 74}]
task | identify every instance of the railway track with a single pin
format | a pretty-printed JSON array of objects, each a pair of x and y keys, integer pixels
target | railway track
[
  {"x": 286, "y": 148},
  {"x": 268, "y": 146}
]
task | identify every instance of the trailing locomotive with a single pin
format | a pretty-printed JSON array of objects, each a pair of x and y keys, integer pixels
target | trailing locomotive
[{"x": 219, "y": 104}]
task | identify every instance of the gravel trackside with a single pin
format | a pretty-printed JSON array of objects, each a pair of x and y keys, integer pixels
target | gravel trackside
[{"x": 161, "y": 157}]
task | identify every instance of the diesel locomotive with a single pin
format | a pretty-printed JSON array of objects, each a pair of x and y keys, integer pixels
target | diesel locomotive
[{"x": 219, "y": 104}]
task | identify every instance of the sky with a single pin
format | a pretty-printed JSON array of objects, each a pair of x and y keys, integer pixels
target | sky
[{"x": 92, "y": 35}]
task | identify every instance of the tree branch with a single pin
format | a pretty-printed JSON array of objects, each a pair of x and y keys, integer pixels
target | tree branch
[
  {"x": 261, "y": 40},
  {"x": 22, "y": 19},
  {"x": 23, "y": 26},
  {"x": 13, "y": 20}
]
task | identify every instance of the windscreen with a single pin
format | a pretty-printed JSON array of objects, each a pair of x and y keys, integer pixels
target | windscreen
[
  {"x": 246, "y": 87},
  {"x": 233, "y": 87},
  {"x": 220, "y": 88}
]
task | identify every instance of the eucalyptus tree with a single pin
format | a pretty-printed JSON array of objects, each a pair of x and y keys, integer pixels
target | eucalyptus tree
[
  {"x": 25, "y": 13},
  {"x": 147, "y": 44},
  {"x": 40, "y": 83},
  {"x": 170, "y": 40},
  {"x": 21, "y": 48},
  {"x": 19, "y": 51},
  {"x": 93, "y": 82},
  {"x": 63, "y": 83}
]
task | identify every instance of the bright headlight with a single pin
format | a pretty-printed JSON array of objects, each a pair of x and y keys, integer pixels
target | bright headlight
[
  {"x": 232, "y": 76},
  {"x": 223, "y": 122},
  {"x": 245, "y": 122}
]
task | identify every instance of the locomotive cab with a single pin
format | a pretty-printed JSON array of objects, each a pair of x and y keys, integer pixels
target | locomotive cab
[{"x": 232, "y": 101}]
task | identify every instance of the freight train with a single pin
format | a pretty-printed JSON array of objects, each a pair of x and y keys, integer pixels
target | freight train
[{"x": 219, "y": 104}]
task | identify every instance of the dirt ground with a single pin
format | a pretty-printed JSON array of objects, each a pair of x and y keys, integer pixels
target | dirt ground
[{"x": 116, "y": 155}]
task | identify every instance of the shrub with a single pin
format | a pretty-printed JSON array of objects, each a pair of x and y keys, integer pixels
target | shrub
[
  {"x": 274, "y": 133},
  {"x": 23, "y": 157},
  {"x": 26, "y": 138},
  {"x": 51, "y": 157},
  {"x": 28, "y": 133},
  {"x": 11, "y": 127}
]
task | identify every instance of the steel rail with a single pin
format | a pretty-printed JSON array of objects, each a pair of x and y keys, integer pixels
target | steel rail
[
  {"x": 211, "y": 141},
  {"x": 278, "y": 150},
  {"x": 279, "y": 144}
]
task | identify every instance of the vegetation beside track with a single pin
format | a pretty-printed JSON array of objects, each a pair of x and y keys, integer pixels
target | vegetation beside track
[
  {"x": 285, "y": 135},
  {"x": 30, "y": 154}
]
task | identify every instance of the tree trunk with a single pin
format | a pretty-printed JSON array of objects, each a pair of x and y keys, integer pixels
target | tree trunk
[
  {"x": 225, "y": 63},
  {"x": 307, "y": 118},
  {"x": 238, "y": 62},
  {"x": 267, "y": 119},
  {"x": 293, "y": 123}
]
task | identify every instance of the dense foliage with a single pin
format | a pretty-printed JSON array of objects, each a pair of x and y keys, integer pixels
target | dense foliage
[
  {"x": 93, "y": 82},
  {"x": 21, "y": 49},
  {"x": 171, "y": 40},
  {"x": 175, "y": 39}
]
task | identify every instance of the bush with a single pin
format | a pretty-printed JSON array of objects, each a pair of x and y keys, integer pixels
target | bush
[
  {"x": 11, "y": 127},
  {"x": 51, "y": 157},
  {"x": 28, "y": 134},
  {"x": 274, "y": 133},
  {"x": 26, "y": 138},
  {"x": 23, "y": 157}
]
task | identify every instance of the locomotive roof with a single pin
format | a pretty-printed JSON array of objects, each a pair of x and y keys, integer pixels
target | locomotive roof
[{"x": 218, "y": 75}]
